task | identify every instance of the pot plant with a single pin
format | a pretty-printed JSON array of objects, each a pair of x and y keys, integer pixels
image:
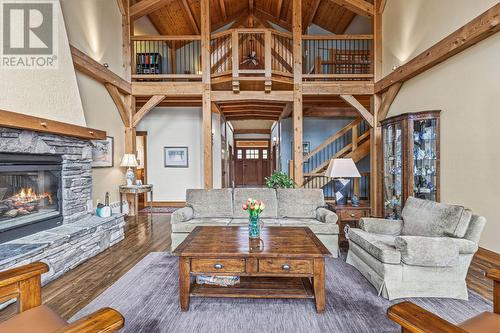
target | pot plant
[{"x": 279, "y": 179}]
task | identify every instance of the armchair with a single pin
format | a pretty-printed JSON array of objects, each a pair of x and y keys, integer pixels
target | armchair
[
  {"x": 413, "y": 318},
  {"x": 24, "y": 283},
  {"x": 426, "y": 254}
]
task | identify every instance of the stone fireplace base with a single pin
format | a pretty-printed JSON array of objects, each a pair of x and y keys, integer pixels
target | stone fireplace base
[{"x": 64, "y": 247}]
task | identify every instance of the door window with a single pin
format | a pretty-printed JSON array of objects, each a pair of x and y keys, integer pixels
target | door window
[{"x": 252, "y": 154}]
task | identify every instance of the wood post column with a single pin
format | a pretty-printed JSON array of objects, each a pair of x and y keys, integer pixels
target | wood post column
[
  {"x": 206, "y": 102},
  {"x": 298, "y": 174},
  {"x": 376, "y": 130}
]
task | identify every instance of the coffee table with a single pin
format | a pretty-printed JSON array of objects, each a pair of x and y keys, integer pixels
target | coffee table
[{"x": 286, "y": 262}]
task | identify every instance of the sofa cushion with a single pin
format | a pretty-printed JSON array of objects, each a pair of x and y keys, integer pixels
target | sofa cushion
[
  {"x": 200, "y": 222},
  {"x": 266, "y": 195},
  {"x": 316, "y": 226},
  {"x": 210, "y": 203},
  {"x": 40, "y": 319},
  {"x": 434, "y": 219},
  {"x": 299, "y": 203},
  {"x": 379, "y": 246}
]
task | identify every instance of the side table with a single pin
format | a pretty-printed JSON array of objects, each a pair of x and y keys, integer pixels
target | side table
[
  {"x": 135, "y": 190},
  {"x": 349, "y": 217}
]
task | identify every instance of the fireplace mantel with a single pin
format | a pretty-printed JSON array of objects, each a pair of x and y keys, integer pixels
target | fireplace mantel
[{"x": 22, "y": 121}]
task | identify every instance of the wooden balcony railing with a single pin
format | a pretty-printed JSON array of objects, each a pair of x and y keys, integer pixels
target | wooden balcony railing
[
  {"x": 337, "y": 58},
  {"x": 166, "y": 58},
  {"x": 360, "y": 186},
  {"x": 252, "y": 54}
]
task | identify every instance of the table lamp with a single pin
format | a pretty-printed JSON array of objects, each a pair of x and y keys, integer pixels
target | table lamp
[
  {"x": 340, "y": 169},
  {"x": 129, "y": 161}
]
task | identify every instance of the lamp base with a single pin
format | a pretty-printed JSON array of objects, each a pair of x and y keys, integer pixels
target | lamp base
[
  {"x": 130, "y": 177},
  {"x": 341, "y": 190}
]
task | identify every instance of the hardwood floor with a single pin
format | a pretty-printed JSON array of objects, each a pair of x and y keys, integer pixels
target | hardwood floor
[
  {"x": 71, "y": 292},
  {"x": 145, "y": 234}
]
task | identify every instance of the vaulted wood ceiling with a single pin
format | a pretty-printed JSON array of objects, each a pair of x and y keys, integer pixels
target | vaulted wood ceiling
[{"x": 182, "y": 17}]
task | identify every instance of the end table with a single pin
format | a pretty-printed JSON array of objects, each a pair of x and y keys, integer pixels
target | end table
[
  {"x": 349, "y": 217},
  {"x": 135, "y": 190}
]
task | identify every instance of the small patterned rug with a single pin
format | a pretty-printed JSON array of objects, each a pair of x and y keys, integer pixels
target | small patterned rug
[
  {"x": 159, "y": 210},
  {"x": 148, "y": 298}
]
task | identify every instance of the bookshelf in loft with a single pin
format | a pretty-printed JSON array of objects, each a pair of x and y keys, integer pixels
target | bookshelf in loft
[{"x": 148, "y": 63}]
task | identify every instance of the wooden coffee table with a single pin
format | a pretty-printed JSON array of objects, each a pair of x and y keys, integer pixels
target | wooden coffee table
[{"x": 287, "y": 262}]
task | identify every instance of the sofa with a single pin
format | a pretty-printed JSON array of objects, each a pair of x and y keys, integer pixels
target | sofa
[
  {"x": 425, "y": 254},
  {"x": 284, "y": 208}
]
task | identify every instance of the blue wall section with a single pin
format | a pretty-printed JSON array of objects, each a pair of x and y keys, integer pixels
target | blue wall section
[{"x": 316, "y": 130}]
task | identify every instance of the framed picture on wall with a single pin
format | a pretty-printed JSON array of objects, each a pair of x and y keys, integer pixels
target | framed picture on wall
[
  {"x": 306, "y": 148},
  {"x": 103, "y": 152},
  {"x": 176, "y": 157}
]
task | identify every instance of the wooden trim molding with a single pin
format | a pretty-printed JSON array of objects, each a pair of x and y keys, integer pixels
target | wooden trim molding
[
  {"x": 22, "y": 121},
  {"x": 468, "y": 35},
  {"x": 252, "y": 131}
]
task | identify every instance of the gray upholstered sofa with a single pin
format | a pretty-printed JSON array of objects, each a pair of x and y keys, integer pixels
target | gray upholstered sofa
[
  {"x": 426, "y": 254},
  {"x": 284, "y": 207}
]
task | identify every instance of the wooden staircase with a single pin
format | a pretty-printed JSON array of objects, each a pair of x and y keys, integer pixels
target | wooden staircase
[{"x": 352, "y": 141}]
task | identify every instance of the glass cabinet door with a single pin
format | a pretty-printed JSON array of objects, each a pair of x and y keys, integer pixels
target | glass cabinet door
[
  {"x": 425, "y": 159},
  {"x": 393, "y": 163}
]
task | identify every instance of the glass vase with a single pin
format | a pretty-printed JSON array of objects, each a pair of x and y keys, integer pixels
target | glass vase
[{"x": 254, "y": 227}]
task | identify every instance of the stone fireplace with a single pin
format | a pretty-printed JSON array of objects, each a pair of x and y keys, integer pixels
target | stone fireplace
[
  {"x": 45, "y": 188},
  {"x": 45, "y": 180}
]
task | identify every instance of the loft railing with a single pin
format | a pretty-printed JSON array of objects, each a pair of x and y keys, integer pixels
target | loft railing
[
  {"x": 282, "y": 53},
  {"x": 361, "y": 186},
  {"x": 166, "y": 58},
  {"x": 337, "y": 58},
  {"x": 221, "y": 54}
]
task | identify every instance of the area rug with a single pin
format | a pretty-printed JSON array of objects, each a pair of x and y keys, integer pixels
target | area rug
[
  {"x": 147, "y": 297},
  {"x": 159, "y": 210}
]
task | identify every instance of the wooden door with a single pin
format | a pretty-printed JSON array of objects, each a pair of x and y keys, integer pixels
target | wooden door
[{"x": 252, "y": 166}]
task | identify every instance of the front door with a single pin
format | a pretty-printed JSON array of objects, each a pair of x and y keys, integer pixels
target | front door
[{"x": 252, "y": 166}]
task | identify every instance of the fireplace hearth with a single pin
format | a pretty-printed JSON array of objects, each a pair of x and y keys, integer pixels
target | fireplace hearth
[{"x": 30, "y": 194}]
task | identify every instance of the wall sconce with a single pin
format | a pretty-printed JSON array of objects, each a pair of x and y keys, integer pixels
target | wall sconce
[
  {"x": 106, "y": 65},
  {"x": 395, "y": 67}
]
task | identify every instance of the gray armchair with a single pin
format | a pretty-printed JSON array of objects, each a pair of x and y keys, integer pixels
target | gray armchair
[{"x": 426, "y": 254}]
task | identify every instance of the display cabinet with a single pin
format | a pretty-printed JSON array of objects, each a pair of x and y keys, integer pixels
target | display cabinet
[{"x": 411, "y": 167}]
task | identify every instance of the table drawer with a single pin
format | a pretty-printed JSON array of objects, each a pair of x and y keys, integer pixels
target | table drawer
[
  {"x": 294, "y": 266},
  {"x": 218, "y": 265},
  {"x": 351, "y": 214}
]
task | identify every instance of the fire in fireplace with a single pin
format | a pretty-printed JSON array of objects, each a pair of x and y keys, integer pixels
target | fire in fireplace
[{"x": 30, "y": 194}]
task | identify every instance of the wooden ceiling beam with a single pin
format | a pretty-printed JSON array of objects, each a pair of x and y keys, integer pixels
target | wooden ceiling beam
[
  {"x": 153, "y": 101},
  {"x": 361, "y": 109},
  {"x": 88, "y": 66},
  {"x": 252, "y": 131},
  {"x": 381, "y": 6},
  {"x": 222, "y": 6},
  {"x": 310, "y": 15},
  {"x": 387, "y": 100},
  {"x": 251, "y": 117},
  {"x": 189, "y": 14},
  {"x": 360, "y": 7},
  {"x": 121, "y": 7},
  {"x": 278, "y": 21},
  {"x": 468, "y": 35},
  {"x": 279, "y": 8},
  {"x": 252, "y": 107},
  {"x": 120, "y": 105},
  {"x": 145, "y": 7},
  {"x": 275, "y": 95}
]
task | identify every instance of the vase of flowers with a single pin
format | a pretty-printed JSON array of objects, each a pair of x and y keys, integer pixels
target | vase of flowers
[{"x": 254, "y": 209}]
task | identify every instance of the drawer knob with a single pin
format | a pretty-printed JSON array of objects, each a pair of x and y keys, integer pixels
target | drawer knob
[
  {"x": 352, "y": 214},
  {"x": 218, "y": 266},
  {"x": 286, "y": 267}
]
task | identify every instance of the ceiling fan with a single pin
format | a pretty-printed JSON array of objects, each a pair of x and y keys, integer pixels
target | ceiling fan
[{"x": 251, "y": 58}]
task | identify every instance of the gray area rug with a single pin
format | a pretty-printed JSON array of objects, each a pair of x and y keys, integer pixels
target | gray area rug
[{"x": 147, "y": 297}]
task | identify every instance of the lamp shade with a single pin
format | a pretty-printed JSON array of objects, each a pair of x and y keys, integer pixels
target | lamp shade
[
  {"x": 129, "y": 160},
  {"x": 342, "y": 168}
]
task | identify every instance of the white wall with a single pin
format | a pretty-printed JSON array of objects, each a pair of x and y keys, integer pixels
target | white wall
[
  {"x": 466, "y": 88},
  {"x": 94, "y": 27},
  {"x": 178, "y": 126},
  {"x": 46, "y": 93}
]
